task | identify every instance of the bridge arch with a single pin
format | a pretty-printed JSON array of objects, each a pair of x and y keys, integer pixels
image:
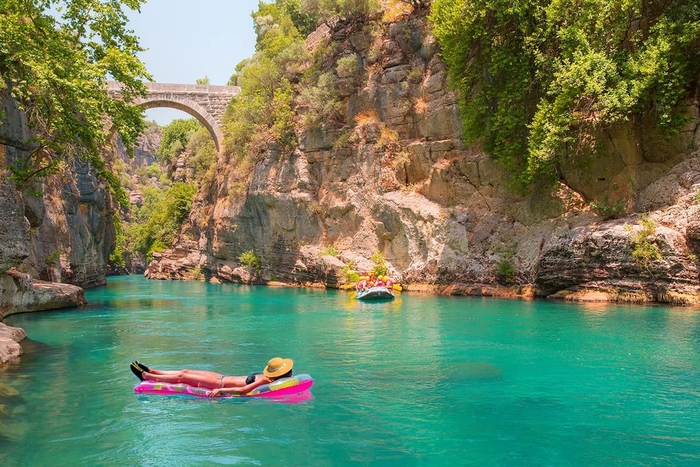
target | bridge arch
[
  {"x": 191, "y": 108},
  {"x": 207, "y": 103}
]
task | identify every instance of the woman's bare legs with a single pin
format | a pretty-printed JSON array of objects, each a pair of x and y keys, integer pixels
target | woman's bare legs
[
  {"x": 199, "y": 378},
  {"x": 203, "y": 379},
  {"x": 212, "y": 374}
]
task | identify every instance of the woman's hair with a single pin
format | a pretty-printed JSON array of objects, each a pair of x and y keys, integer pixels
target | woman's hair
[{"x": 286, "y": 375}]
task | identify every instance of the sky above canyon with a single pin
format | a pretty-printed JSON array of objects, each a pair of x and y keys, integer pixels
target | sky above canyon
[{"x": 187, "y": 40}]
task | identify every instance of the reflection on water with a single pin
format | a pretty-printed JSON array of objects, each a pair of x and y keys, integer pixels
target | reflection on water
[{"x": 419, "y": 380}]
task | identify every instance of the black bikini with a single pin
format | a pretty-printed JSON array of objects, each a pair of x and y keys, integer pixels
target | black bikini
[{"x": 251, "y": 378}]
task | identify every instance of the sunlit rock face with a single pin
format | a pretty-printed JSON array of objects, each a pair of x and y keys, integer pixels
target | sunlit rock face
[
  {"x": 399, "y": 180},
  {"x": 70, "y": 232},
  {"x": 14, "y": 228}
]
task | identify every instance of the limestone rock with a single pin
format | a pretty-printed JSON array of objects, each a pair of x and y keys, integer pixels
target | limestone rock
[
  {"x": 10, "y": 337},
  {"x": 9, "y": 332},
  {"x": 14, "y": 228},
  {"x": 19, "y": 293},
  {"x": 182, "y": 263},
  {"x": 595, "y": 262},
  {"x": 70, "y": 215},
  {"x": 445, "y": 217},
  {"x": 9, "y": 350}
]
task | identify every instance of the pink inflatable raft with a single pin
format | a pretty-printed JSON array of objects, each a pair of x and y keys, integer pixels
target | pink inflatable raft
[{"x": 281, "y": 387}]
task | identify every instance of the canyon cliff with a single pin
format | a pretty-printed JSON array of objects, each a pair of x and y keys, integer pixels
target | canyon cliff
[
  {"x": 398, "y": 180},
  {"x": 55, "y": 234},
  {"x": 392, "y": 177}
]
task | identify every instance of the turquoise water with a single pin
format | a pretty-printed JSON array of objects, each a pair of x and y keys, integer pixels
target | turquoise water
[{"x": 418, "y": 381}]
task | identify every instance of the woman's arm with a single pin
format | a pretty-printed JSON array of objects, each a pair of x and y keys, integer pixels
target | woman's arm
[{"x": 242, "y": 390}]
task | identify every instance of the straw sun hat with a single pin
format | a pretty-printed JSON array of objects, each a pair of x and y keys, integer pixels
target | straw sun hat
[{"x": 277, "y": 367}]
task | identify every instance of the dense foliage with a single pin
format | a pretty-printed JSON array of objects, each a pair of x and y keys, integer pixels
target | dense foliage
[
  {"x": 185, "y": 163},
  {"x": 644, "y": 250},
  {"x": 55, "y": 59},
  {"x": 280, "y": 80},
  {"x": 156, "y": 224},
  {"x": 538, "y": 79},
  {"x": 174, "y": 137},
  {"x": 322, "y": 10},
  {"x": 262, "y": 112},
  {"x": 250, "y": 260}
]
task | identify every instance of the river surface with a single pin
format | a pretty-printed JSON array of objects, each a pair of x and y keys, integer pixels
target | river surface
[{"x": 419, "y": 381}]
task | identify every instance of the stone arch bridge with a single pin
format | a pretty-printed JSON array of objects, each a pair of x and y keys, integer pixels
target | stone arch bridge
[{"x": 204, "y": 102}]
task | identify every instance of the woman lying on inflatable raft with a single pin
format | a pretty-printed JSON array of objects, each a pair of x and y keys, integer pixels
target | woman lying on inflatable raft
[{"x": 275, "y": 380}]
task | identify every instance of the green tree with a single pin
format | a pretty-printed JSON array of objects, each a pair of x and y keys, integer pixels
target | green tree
[
  {"x": 321, "y": 102},
  {"x": 55, "y": 59},
  {"x": 263, "y": 112},
  {"x": 120, "y": 241},
  {"x": 539, "y": 79},
  {"x": 157, "y": 223},
  {"x": 204, "y": 80},
  {"x": 250, "y": 260},
  {"x": 380, "y": 268},
  {"x": 175, "y": 136},
  {"x": 179, "y": 201},
  {"x": 233, "y": 80},
  {"x": 323, "y": 10},
  {"x": 202, "y": 159},
  {"x": 303, "y": 20}
]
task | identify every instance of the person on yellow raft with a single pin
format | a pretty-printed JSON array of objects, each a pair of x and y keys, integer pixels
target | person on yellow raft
[
  {"x": 366, "y": 281},
  {"x": 363, "y": 283},
  {"x": 219, "y": 384}
]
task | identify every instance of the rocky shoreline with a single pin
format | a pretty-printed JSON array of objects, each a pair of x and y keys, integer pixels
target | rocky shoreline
[
  {"x": 19, "y": 293},
  {"x": 10, "y": 337},
  {"x": 393, "y": 178},
  {"x": 398, "y": 180},
  {"x": 55, "y": 233},
  {"x": 56, "y": 296}
]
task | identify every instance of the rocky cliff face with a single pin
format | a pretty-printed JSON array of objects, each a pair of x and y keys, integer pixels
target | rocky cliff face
[
  {"x": 14, "y": 235},
  {"x": 72, "y": 233},
  {"x": 596, "y": 261},
  {"x": 400, "y": 182},
  {"x": 54, "y": 235}
]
